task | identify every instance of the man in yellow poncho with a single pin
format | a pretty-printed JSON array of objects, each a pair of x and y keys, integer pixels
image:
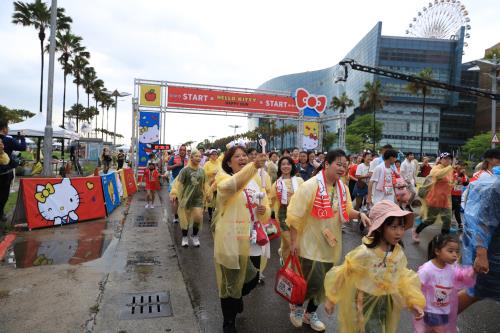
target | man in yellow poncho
[
  {"x": 190, "y": 188},
  {"x": 314, "y": 215},
  {"x": 241, "y": 203}
]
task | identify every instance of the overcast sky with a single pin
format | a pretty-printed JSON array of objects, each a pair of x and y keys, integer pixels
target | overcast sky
[{"x": 230, "y": 43}]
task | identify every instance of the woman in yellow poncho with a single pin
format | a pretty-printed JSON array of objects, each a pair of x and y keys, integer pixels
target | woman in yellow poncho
[
  {"x": 314, "y": 215},
  {"x": 374, "y": 283},
  {"x": 211, "y": 168},
  {"x": 190, "y": 188},
  {"x": 241, "y": 201},
  {"x": 281, "y": 193}
]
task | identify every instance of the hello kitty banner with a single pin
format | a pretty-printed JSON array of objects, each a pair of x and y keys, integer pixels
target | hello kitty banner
[
  {"x": 57, "y": 201},
  {"x": 111, "y": 191},
  {"x": 149, "y": 135},
  {"x": 311, "y": 135}
]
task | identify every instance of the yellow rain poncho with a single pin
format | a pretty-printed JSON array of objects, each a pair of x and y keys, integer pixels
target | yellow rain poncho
[
  {"x": 437, "y": 198},
  {"x": 371, "y": 287},
  {"x": 191, "y": 190},
  {"x": 232, "y": 227},
  {"x": 211, "y": 169},
  {"x": 317, "y": 254}
]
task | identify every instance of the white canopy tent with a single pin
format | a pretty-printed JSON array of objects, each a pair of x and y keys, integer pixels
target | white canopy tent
[{"x": 35, "y": 127}]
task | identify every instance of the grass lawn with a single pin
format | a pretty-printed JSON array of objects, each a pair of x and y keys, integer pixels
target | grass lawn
[{"x": 11, "y": 203}]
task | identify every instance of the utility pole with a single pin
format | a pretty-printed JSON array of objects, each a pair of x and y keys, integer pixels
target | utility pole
[{"x": 47, "y": 141}]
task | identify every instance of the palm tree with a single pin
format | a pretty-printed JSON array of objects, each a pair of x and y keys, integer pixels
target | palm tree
[
  {"x": 78, "y": 64},
  {"x": 371, "y": 98},
  {"x": 37, "y": 14},
  {"x": 69, "y": 46},
  {"x": 341, "y": 103},
  {"x": 97, "y": 87},
  {"x": 89, "y": 76},
  {"x": 417, "y": 88}
]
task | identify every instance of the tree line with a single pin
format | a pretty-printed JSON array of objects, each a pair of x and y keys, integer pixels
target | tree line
[{"x": 74, "y": 59}]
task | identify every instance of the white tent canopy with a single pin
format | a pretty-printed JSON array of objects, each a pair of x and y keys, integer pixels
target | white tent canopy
[{"x": 35, "y": 126}]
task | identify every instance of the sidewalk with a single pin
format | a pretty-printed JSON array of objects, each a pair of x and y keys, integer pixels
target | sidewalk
[{"x": 94, "y": 296}]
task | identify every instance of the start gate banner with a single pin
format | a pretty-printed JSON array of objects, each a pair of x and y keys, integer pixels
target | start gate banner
[
  {"x": 110, "y": 190},
  {"x": 230, "y": 101},
  {"x": 56, "y": 201},
  {"x": 149, "y": 135}
]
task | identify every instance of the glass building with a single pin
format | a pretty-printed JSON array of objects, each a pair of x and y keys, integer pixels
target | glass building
[{"x": 402, "y": 111}]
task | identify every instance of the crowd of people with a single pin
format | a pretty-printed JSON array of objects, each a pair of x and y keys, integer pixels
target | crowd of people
[{"x": 312, "y": 196}]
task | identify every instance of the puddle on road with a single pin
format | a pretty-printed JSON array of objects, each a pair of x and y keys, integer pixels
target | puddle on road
[{"x": 71, "y": 244}]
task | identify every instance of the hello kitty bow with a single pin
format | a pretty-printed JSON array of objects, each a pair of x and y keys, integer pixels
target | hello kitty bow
[
  {"x": 304, "y": 99},
  {"x": 42, "y": 195}
]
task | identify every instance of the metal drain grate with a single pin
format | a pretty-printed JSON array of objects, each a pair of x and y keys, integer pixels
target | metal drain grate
[
  {"x": 148, "y": 221},
  {"x": 143, "y": 259},
  {"x": 146, "y": 305}
]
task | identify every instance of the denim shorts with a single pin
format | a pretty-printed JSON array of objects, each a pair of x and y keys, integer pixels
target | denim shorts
[{"x": 434, "y": 319}]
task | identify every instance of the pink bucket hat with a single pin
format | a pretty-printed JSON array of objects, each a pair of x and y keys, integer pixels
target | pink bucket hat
[{"x": 384, "y": 209}]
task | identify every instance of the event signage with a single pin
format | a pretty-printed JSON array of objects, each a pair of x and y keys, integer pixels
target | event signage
[
  {"x": 149, "y": 135},
  {"x": 312, "y": 105},
  {"x": 162, "y": 147},
  {"x": 150, "y": 95},
  {"x": 311, "y": 135},
  {"x": 230, "y": 101},
  {"x": 111, "y": 191},
  {"x": 57, "y": 201}
]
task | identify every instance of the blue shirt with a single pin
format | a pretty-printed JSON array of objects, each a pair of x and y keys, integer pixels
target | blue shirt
[{"x": 175, "y": 171}]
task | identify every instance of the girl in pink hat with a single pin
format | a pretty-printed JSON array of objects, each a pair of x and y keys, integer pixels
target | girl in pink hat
[{"x": 374, "y": 279}]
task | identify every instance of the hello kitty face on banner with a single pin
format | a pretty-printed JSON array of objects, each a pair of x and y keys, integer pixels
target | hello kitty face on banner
[
  {"x": 305, "y": 100},
  {"x": 58, "y": 202},
  {"x": 150, "y": 134}
]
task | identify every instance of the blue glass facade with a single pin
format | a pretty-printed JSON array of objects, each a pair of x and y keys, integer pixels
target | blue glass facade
[{"x": 402, "y": 112}]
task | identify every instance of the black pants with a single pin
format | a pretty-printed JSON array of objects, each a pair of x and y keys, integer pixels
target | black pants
[
  {"x": 5, "y": 181},
  {"x": 456, "y": 202},
  {"x": 120, "y": 164},
  {"x": 232, "y": 306},
  {"x": 351, "y": 187}
]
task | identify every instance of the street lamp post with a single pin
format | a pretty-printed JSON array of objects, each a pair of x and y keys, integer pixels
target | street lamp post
[
  {"x": 47, "y": 142},
  {"x": 235, "y": 127},
  {"x": 495, "y": 66},
  {"x": 116, "y": 94}
]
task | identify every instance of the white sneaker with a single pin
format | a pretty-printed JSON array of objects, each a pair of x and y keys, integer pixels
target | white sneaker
[
  {"x": 151, "y": 206},
  {"x": 176, "y": 220},
  {"x": 185, "y": 242},
  {"x": 147, "y": 206},
  {"x": 297, "y": 316},
  {"x": 312, "y": 320},
  {"x": 196, "y": 241}
]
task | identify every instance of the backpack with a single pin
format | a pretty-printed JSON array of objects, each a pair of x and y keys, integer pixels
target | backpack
[{"x": 425, "y": 188}]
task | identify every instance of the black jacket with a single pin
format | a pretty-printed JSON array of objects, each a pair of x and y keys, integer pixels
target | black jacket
[{"x": 17, "y": 143}]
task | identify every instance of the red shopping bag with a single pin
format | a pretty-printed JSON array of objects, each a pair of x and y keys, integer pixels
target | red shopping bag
[
  {"x": 262, "y": 238},
  {"x": 273, "y": 229},
  {"x": 290, "y": 284}
]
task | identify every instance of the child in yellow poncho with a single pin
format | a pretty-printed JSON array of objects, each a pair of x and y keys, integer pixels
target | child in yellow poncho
[
  {"x": 190, "y": 188},
  {"x": 374, "y": 283},
  {"x": 241, "y": 200}
]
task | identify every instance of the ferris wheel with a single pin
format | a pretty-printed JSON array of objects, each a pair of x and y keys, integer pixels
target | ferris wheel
[{"x": 440, "y": 19}]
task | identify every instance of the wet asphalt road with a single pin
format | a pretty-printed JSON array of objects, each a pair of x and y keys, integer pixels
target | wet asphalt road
[{"x": 267, "y": 312}]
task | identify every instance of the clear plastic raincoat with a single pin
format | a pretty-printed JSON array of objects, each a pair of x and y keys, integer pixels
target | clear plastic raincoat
[
  {"x": 371, "y": 287},
  {"x": 232, "y": 230},
  {"x": 482, "y": 229}
]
